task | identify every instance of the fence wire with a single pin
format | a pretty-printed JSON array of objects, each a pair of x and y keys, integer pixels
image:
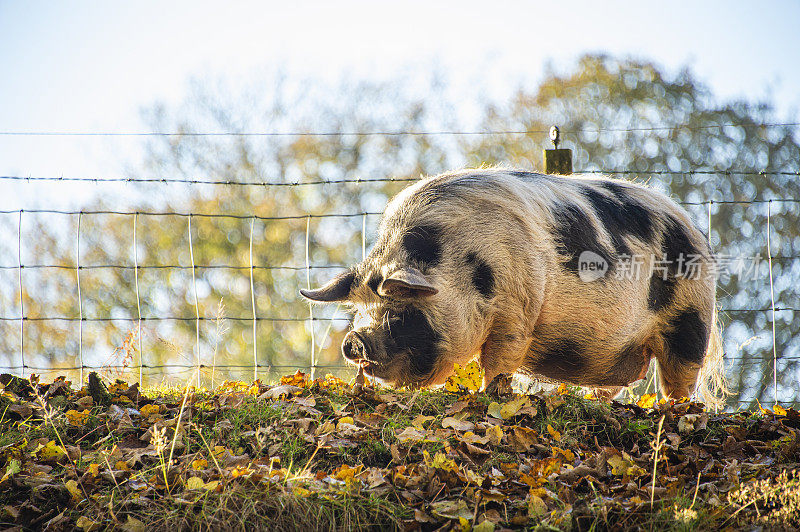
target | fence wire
[{"x": 257, "y": 365}]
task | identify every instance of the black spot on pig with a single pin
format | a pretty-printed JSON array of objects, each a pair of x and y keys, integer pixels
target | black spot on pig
[
  {"x": 621, "y": 215},
  {"x": 610, "y": 213},
  {"x": 676, "y": 246},
  {"x": 687, "y": 338},
  {"x": 661, "y": 291},
  {"x": 574, "y": 234},
  {"x": 482, "y": 275},
  {"x": 561, "y": 359},
  {"x": 410, "y": 330},
  {"x": 423, "y": 244},
  {"x": 629, "y": 363}
]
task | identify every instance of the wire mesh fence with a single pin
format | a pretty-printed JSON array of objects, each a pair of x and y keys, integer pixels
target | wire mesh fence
[{"x": 100, "y": 293}]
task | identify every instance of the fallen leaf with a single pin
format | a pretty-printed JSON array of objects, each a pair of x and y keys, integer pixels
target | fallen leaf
[
  {"x": 451, "y": 509},
  {"x": 74, "y": 490},
  {"x": 133, "y": 525},
  {"x": 86, "y": 524},
  {"x": 457, "y": 424},
  {"x": 647, "y": 400}
]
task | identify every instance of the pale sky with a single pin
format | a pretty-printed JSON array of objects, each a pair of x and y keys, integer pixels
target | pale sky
[{"x": 91, "y": 66}]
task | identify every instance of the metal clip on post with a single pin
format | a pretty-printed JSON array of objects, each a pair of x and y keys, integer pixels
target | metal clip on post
[{"x": 557, "y": 161}]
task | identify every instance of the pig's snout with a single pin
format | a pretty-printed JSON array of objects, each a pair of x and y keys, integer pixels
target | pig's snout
[{"x": 354, "y": 347}]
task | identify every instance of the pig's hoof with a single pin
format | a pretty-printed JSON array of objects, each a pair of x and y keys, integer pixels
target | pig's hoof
[{"x": 500, "y": 385}]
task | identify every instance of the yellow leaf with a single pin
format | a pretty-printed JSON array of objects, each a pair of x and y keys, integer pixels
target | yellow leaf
[
  {"x": 149, "y": 410},
  {"x": 440, "y": 461},
  {"x": 420, "y": 420},
  {"x": 562, "y": 389},
  {"x": 623, "y": 465},
  {"x": 536, "y": 506},
  {"x": 298, "y": 379},
  {"x": 133, "y": 525},
  {"x": 86, "y": 524},
  {"x": 122, "y": 465},
  {"x": 346, "y": 473},
  {"x": 469, "y": 377},
  {"x": 647, "y": 400},
  {"x": 74, "y": 490},
  {"x": 590, "y": 396},
  {"x": 12, "y": 468},
  {"x": 77, "y": 418},
  {"x": 50, "y": 451},
  {"x": 509, "y": 409},
  {"x": 195, "y": 483},
  {"x": 779, "y": 410},
  {"x": 484, "y": 526},
  {"x": 346, "y": 419},
  {"x": 568, "y": 455},
  {"x": 200, "y": 463},
  {"x": 94, "y": 470},
  {"x": 554, "y": 433},
  {"x": 495, "y": 435},
  {"x": 219, "y": 450},
  {"x": 301, "y": 492},
  {"x": 241, "y": 472}
]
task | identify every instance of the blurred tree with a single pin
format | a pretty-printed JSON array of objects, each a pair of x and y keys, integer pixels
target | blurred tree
[
  {"x": 279, "y": 246},
  {"x": 615, "y": 114}
]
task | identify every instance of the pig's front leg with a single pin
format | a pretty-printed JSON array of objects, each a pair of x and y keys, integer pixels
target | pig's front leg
[{"x": 503, "y": 351}]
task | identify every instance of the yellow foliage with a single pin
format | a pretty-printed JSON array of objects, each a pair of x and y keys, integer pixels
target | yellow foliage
[
  {"x": 195, "y": 483},
  {"x": 74, "y": 490},
  {"x": 77, "y": 418},
  {"x": 469, "y": 377},
  {"x": 554, "y": 433},
  {"x": 440, "y": 461},
  {"x": 647, "y": 400},
  {"x": 347, "y": 419},
  {"x": 50, "y": 451},
  {"x": 149, "y": 410},
  {"x": 298, "y": 379}
]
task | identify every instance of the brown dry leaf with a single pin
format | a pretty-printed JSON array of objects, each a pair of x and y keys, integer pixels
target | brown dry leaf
[
  {"x": 457, "y": 424},
  {"x": 281, "y": 390},
  {"x": 411, "y": 434},
  {"x": 419, "y": 421},
  {"x": 521, "y": 439},
  {"x": 455, "y": 509}
]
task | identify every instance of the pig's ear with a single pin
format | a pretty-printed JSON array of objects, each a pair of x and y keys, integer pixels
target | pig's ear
[
  {"x": 337, "y": 289},
  {"x": 406, "y": 283}
]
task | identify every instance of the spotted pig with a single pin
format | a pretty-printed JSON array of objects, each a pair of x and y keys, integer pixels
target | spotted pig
[{"x": 572, "y": 279}]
